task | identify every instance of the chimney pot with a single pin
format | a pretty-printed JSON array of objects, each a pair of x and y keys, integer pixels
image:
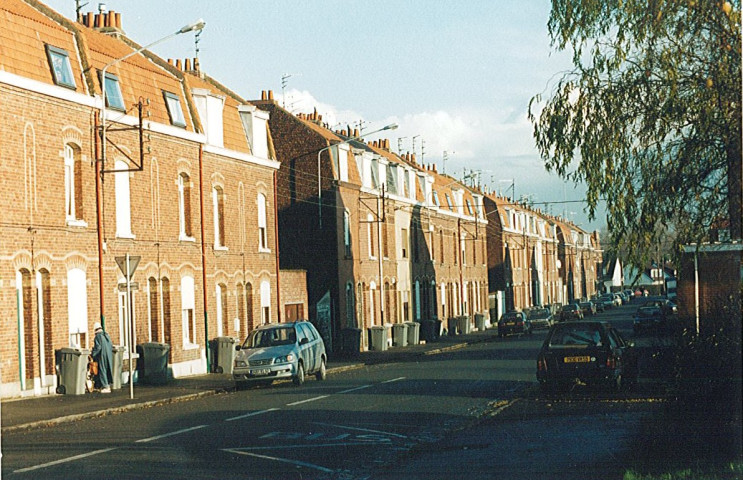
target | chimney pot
[
  {"x": 117, "y": 20},
  {"x": 179, "y": 64},
  {"x": 98, "y": 20},
  {"x": 109, "y": 18},
  {"x": 187, "y": 64},
  {"x": 270, "y": 94},
  {"x": 170, "y": 61},
  {"x": 263, "y": 95},
  {"x": 355, "y": 132},
  {"x": 196, "y": 65},
  {"x": 89, "y": 19}
]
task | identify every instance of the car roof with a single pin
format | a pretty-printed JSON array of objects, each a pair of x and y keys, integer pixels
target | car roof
[{"x": 281, "y": 325}]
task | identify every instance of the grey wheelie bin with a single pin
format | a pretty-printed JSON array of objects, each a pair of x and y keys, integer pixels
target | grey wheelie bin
[
  {"x": 223, "y": 356},
  {"x": 400, "y": 334},
  {"x": 72, "y": 369},
  {"x": 413, "y": 333},
  {"x": 117, "y": 365},
  {"x": 378, "y": 338},
  {"x": 153, "y": 363}
]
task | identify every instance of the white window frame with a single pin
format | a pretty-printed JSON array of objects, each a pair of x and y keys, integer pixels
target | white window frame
[
  {"x": 218, "y": 214},
  {"x": 188, "y": 312},
  {"x": 69, "y": 182},
  {"x": 262, "y": 224},
  {"x": 77, "y": 305},
  {"x": 265, "y": 302},
  {"x": 347, "y": 232},
  {"x": 123, "y": 201}
]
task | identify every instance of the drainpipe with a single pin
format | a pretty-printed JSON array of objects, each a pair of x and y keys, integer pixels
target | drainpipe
[
  {"x": 276, "y": 241},
  {"x": 99, "y": 218},
  {"x": 203, "y": 254},
  {"x": 696, "y": 290}
]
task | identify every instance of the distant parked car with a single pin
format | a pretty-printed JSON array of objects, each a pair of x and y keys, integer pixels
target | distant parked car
[
  {"x": 587, "y": 308},
  {"x": 667, "y": 307},
  {"x": 513, "y": 322},
  {"x": 648, "y": 317},
  {"x": 540, "y": 318},
  {"x": 589, "y": 352},
  {"x": 570, "y": 312},
  {"x": 283, "y": 350},
  {"x": 607, "y": 300}
]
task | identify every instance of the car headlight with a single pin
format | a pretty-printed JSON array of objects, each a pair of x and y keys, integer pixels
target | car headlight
[
  {"x": 240, "y": 363},
  {"x": 285, "y": 359}
]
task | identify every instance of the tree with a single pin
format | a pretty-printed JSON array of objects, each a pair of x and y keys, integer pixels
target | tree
[{"x": 650, "y": 113}]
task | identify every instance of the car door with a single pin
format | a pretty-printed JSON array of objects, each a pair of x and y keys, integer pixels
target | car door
[{"x": 304, "y": 340}]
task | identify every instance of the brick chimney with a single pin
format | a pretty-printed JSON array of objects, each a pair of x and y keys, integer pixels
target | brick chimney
[{"x": 105, "y": 22}]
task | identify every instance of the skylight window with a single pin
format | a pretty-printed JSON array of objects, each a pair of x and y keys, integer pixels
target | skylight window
[
  {"x": 174, "y": 109},
  {"x": 60, "y": 65},
  {"x": 436, "y": 198},
  {"x": 114, "y": 99},
  {"x": 448, "y": 201},
  {"x": 469, "y": 206}
]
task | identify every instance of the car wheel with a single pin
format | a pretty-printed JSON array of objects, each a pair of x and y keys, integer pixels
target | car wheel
[
  {"x": 299, "y": 377},
  {"x": 322, "y": 373}
]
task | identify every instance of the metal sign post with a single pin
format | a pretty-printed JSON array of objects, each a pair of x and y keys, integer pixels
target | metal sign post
[{"x": 128, "y": 265}]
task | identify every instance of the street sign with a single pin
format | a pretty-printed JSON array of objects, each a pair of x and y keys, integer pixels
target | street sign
[
  {"x": 132, "y": 286},
  {"x": 133, "y": 262}
]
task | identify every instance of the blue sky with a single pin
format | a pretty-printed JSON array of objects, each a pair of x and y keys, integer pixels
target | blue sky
[{"x": 457, "y": 76}]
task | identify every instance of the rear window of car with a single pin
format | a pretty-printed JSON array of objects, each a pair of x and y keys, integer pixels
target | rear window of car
[
  {"x": 539, "y": 313},
  {"x": 511, "y": 316},
  {"x": 584, "y": 334},
  {"x": 570, "y": 307},
  {"x": 271, "y": 337}
]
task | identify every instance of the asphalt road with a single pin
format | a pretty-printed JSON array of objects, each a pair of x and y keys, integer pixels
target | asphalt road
[{"x": 470, "y": 413}]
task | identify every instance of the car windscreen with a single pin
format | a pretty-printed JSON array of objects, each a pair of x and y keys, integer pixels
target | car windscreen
[
  {"x": 584, "y": 334},
  {"x": 271, "y": 337},
  {"x": 540, "y": 313}
]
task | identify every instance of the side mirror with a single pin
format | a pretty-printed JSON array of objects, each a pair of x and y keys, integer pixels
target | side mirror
[{"x": 304, "y": 341}]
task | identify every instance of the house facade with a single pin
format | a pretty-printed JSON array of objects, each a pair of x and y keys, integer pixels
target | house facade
[
  {"x": 176, "y": 173},
  {"x": 383, "y": 239}
]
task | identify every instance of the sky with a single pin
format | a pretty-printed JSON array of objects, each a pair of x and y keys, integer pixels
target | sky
[{"x": 456, "y": 76}]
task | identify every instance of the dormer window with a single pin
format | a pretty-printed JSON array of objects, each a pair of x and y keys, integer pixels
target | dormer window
[
  {"x": 435, "y": 198},
  {"x": 114, "y": 99},
  {"x": 448, "y": 201},
  {"x": 469, "y": 206},
  {"x": 175, "y": 112},
  {"x": 59, "y": 62},
  {"x": 375, "y": 174}
]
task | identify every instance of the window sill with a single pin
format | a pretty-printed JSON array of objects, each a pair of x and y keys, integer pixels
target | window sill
[
  {"x": 185, "y": 238},
  {"x": 129, "y": 235},
  {"x": 190, "y": 346},
  {"x": 264, "y": 250},
  {"x": 220, "y": 248},
  {"x": 71, "y": 222}
]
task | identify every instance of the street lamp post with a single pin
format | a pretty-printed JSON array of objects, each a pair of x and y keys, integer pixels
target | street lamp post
[{"x": 391, "y": 126}]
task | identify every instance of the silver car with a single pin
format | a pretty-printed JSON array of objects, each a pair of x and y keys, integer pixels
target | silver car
[{"x": 280, "y": 351}]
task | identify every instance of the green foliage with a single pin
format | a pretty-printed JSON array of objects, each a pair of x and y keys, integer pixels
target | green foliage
[{"x": 649, "y": 117}]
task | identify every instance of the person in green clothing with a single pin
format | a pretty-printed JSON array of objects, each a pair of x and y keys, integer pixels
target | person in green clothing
[{"x": 103, "y": 354}]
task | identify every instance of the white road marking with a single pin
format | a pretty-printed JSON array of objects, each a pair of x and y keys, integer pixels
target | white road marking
[
  {"x": 283, "y": 460},
  {"x": 358, "y": 429},
  {"x": 165, "y": 435},
  {"x": 354, "y": 389},
  {"x": 64, "y": 460},
  {"x": 307, "y": 401},
  {"x": 308, "y": 446},
  {"x": 251, "y": 414},
  {"x": 394, "y": 380}
]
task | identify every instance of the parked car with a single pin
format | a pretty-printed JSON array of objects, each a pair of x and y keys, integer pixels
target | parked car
[
  {"x": 587, "y": 352},
  {"x": 617, "y": 300},
  {"x": 284, "y": 350},
  {"x": 513, "y": 322},
  {"x": 647, "y": 317},
  {"x": 607, "y": 300},
  {"x": 587, "y": 308},
  {"x": 570, "y": 312},
  {"x": 540, "y": 317},
  {"x": 667, "y": 307}
]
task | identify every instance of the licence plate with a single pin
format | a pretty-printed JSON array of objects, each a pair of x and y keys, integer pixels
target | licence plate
[
  {"x": 510, "y": 324},
  {"x": 260, "y": 371},
  {"x": 583, "y": 359}
]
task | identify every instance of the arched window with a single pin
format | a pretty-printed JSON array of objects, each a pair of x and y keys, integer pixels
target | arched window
[
  {"x": 262, "y": 230},
  {"x": 350, "y": 307},
  {"x": 73, "y": 183},
  {"x": 184, "y": 206},
  {"x": 218, "y": 210}
]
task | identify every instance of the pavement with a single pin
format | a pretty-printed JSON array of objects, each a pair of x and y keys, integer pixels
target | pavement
[{"x": 37, "y": 412}]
